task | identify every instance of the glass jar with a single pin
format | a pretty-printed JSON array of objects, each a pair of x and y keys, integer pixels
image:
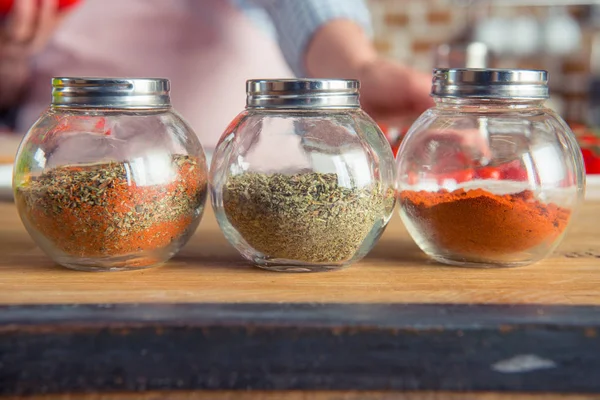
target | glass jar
[
  {"x": 302, "y": 180},
  {"x": 489, "y": 176},
  {"x": 110, "y": 177}
]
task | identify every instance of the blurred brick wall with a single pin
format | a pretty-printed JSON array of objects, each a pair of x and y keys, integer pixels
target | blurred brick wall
[{"x": 412, "y": 30}]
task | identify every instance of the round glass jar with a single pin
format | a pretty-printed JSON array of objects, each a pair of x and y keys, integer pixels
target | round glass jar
[
  {"x": 303, "y": 179},
  {"x": 110, "y": 177},
  {"x": 489, "y": 176}
]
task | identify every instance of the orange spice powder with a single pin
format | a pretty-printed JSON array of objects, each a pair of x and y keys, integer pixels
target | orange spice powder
[{"x": 483, "y": 224}]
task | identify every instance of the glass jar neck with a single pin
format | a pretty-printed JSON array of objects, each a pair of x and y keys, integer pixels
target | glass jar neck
[{"x": 493, "y": 105}]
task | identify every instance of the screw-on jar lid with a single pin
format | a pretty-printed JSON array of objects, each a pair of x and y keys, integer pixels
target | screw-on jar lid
[
  {"x": 120, "y": 93},
  {"x": 302, "y": 93},
  {"x": 490, "y": 83}
]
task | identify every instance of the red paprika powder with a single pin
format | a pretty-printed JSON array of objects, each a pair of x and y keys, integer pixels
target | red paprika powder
[{"x": 477, "y": 223}]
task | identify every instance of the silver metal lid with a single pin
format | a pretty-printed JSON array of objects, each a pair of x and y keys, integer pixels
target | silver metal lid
[
  {"x": 490, "y": 83},
  {"x": 302, "y": 93},
  {"x": 119, "y": 93}
]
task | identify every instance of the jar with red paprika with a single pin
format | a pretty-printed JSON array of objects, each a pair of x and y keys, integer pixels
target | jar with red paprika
[
  {"x": 110, "y": 177},
  {"x": 489, "y": 176}
]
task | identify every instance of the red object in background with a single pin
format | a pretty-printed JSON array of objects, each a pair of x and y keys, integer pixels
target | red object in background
[
  {"x": 488, "y": 173},
  {"x": 514, "y": 171},
  {"x": 394, "y": 136},
  {"x": 591, "y": 161},
  {"x": 6, "y": 5},
  {"x": 461, "y": 176},
  {"x": 589, "y": 142},
  {"x": 413, "y": 178},
  {"x": 384, "y": 128},
  {"x": 74, "y": 124}
]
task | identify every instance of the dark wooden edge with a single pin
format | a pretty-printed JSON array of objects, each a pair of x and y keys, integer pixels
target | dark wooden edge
[{"x": 135, "y": 347}]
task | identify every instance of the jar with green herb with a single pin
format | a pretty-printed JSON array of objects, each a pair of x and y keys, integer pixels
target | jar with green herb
[
  {"x": 110, "y": 177},
  {"x": 303, "y": 179}
]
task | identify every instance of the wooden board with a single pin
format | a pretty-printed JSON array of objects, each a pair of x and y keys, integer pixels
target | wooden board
[
  {"x": 210, "y": 270},
  {"x": 300, "y": 346},
  {"x": 394, "y": 322}
]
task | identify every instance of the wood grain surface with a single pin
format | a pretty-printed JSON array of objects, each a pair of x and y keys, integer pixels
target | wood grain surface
[
  {"x": 534, "y": 331},
  {"x": 209, "y": 270},
  {"x": 104, "y": 348}
]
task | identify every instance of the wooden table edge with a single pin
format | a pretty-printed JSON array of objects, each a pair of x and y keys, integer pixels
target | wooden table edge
[{"x": 53, "y": 349}]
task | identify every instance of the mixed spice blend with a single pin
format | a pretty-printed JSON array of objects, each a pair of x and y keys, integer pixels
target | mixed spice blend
[{"x": 96, "y": 211}]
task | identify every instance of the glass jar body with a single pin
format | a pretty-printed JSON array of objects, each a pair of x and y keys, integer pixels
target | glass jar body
[
  {"x": 489, "y": 182},
  {"x": 114, "y": 189},
  {"x": 301, "y": 190}
]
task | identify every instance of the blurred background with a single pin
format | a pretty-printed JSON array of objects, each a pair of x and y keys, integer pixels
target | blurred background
[{"x": 562, "y": 37}]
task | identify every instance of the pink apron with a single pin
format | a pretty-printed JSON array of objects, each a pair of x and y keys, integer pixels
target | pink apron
[{"x": 207, "y": 48}]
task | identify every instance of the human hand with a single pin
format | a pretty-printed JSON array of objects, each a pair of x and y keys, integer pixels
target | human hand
[
  {"x": 391, "y": 91},
  {"x": 23, "y": 32},
  {"x": 27, "y": 27}
]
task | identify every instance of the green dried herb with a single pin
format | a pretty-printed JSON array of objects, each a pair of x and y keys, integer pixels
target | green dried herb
[{"x": 306, "y": 217}]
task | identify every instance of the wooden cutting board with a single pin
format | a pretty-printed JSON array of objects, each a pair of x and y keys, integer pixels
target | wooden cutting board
[
  {"x": 392, "y": 323},
  {"x": 208, "y": 269}
]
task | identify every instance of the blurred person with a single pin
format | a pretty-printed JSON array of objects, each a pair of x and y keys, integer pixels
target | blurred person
[{"x": 207, "y": 48}]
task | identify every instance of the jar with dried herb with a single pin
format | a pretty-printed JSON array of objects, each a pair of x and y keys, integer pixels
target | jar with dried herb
[
  {"x": 489, "y": 177},
  {"x": 110, "y": 177},
  {"x": 302, "y": 180}
]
